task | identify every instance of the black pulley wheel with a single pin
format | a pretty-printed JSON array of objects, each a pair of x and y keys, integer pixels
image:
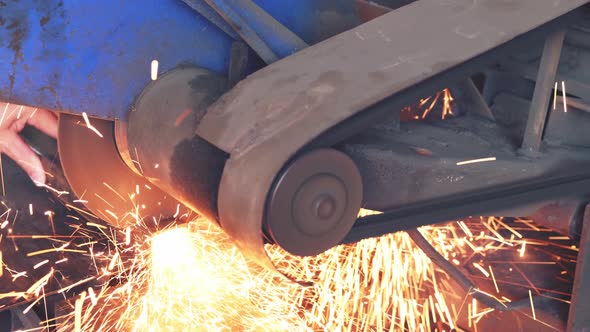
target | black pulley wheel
[{"x": 314, "y": 202}]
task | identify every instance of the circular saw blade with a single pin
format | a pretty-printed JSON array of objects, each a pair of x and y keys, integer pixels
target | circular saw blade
[{"x": 101, "y": 180}]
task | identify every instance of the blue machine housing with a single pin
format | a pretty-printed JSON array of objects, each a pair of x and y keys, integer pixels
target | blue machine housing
[{"x": 94, "y": 56}]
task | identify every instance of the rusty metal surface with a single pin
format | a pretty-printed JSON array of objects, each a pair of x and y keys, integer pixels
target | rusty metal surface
[
  {"x": 376, "y": 56},
  {"x": 99, "y": 177},
  {"x": 160, "y": 134},
  {"x": 271, "y": 115}
]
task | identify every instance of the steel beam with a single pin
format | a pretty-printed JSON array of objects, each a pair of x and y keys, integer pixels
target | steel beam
[{"x": 541, "y": 97}]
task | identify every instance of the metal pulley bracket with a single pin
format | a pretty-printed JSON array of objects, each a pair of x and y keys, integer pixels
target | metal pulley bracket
[{"x": 318, "y": 96}]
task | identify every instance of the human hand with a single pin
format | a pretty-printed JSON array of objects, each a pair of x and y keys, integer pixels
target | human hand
[{"x": 13, "y": 119}]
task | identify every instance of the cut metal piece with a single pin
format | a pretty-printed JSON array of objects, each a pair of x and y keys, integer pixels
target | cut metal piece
[
  {"x": 98, "y": 176},
  {"x": 314, "y": 203}
]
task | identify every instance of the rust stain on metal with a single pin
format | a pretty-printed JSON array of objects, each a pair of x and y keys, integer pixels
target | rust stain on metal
[
  {"x": 16, "y": 39},
  {"x": 44, "y": 20}
]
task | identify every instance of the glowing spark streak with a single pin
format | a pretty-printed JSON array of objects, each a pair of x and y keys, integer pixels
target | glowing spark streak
[
  {"x": 18, "y": 275},
  {"x": 35, "y": 288},
  {"x": 15, "y": 295},
  {"x": 27, "y": 309},
  {"x": 90, "y": 126},
  {"x": 482, "y": 313},
  {"x": 493, "y": 231},
  {"x": 113, "y": 190},
  {"x": 80, "y": 210},
  {"x": 531, "y": 285},
  {"x": 494, "y": 279},
  {"x": 2, "y": 176},
  {"x": 447, "y": 99},
  {"x": 427, "y": 111},
  {"x": 30, "y": 209},
  {"x": 20, "y": 110},
  {"x": 473, "y": 161},
  {"x": 42, "y": 236},
  {"x": 465, "y": 229},
  {"x": 154, "y": 70},
  {"x": 510, "y": 229},
  {"x": 530, "y": 225},
  {"x": 498, "y": 240},
  {"x": 49, "y": 215},
  {"x": 4, "y": 113},
  {"x": 522, "y": 248},
  {"x": 177, "y": 210},
  {"x": 38, "y": 265},
  {"x": 559, "y": 238},
  {"x": 4, "y": 224},
  {"x": 564, "y": 96},
  {"x": 424, "y": 101},
  {"x": 532, "y": 305},
  {"x": 469, "y": 316},
  {"x": 96, "y": 225},
  {"x": 127, "y": 236},
  {"x": 112, "y": 214},
  {"x": 59, "y": 193},
  {"x": 78, "y": 312},
  {"x": 137, "y": 162},
  {"x": 63, "y": 260},
  {"x": 92, "y": 296},
  {"x": 86, "y": 244},
  {"x": 182, "y": 116},
  {"x": 523, "y": 263},
  {"x": 41, "y": 252},
  {"x": 104, "y": 200},
  {"x": 65, "y": 289},
  {"x": 485, "y": 273},
  {"x": 113, "y": 261}
]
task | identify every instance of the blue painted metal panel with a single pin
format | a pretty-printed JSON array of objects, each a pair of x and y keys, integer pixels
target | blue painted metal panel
[{"x": 94, "y": 56}]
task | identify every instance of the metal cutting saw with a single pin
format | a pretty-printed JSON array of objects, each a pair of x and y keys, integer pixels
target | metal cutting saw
[{"x": 280, "y": 120}]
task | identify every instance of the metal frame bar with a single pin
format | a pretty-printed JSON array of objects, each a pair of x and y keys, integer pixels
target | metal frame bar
[
  {"x": 540, "y": 104},
  {"x": 269, "y": 38}
]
